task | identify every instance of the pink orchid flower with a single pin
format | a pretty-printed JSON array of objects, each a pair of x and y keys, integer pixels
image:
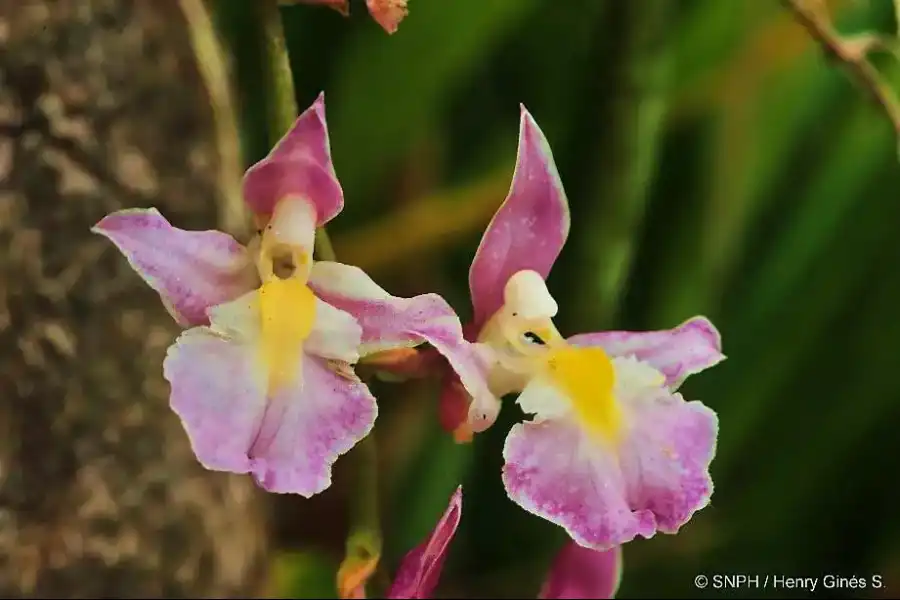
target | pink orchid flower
[
  {"x": 263, "y": 376},
  {"x": 613, "y": 450},
  {"x": 576, "y": 572},
  {"x": 387, "y": 13}
]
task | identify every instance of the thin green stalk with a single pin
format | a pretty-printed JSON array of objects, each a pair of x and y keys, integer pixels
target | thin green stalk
[
  {"x": 364, "y": 541},
  {"x": 213, "y": 69},
  {"x": 366, "y": 512},
  {"x": 282, "y": 102},
  {"x": 897, "y": 17},
  {"x": 364, "y": 544},
  {"x": 282, "y": 108}
]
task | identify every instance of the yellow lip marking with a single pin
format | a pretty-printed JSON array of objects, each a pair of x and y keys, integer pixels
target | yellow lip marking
[
  {"x": 586, "y": 376},
  {"x": 288, "y": 311}
]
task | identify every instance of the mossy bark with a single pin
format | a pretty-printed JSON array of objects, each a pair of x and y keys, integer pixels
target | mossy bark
[{"x": 101, "y": 108}]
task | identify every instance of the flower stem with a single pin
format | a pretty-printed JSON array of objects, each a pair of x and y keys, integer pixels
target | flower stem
[
  {"x": 282, "y": 107},
  {"x": 364, "y": 542},
  {"x": 363, "y": 549},
  {"x": 211, "y": 64},
  {"x": 282, "y": 103}
]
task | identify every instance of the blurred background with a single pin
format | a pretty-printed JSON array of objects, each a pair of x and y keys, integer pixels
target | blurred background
[{"x": 715, "y": 163}]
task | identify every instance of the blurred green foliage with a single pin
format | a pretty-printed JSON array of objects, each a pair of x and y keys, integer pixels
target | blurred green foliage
[{"x": 763, "y": 196}]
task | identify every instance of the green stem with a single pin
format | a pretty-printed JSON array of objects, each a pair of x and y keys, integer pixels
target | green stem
[
  {"x": 282, "y": 102},
  {"x": 282, "y": 108},
  {"x": 366, "y": 505},
  {"x": 897, "y": 19},
  {"x": 364, "y": 541},
  {"x": 211, "y": 63},
  {"x": 364, "y": 544}
]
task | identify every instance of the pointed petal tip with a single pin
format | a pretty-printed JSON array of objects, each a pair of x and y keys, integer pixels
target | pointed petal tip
[
  {"x": 319, "y": 103},
  {"x": 100, "y": 226},
  {"x": 116, "y": 219},
  {"x": 420, "y": 569},
  {"x": 315, "y": 110},
  {"x": 528, "y": 125}
]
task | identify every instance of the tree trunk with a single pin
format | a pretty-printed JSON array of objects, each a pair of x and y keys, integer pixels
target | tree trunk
[{"x": 102, "y": 107}]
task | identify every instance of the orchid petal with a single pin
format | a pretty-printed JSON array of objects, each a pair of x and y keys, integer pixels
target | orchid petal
[
  {"x": 420, "y": 569},
  {"x": 190, "y": 270},
  {"x": 530, "y": 227},
  {"x": 388, "y": 13},
  {"x": 581, "y": 573},
  {"x": 299, "y": 165},
  {"x": 336, "y": 335},
  {"x": 287, "y": 438},
  {"x": 551, "y": 473},
  {"x": 219, "y": 392},
  {"x": 653, "y": 480},
  {"x": 389, "y": 322},
  {"x": 307, "y": 427},
  {"x": 677, "y": 353}
]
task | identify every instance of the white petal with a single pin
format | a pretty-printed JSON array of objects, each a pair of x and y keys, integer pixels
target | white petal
[
  {"x": 544, "y": 401},
  {"x": 239, "y": 318},
  {"x": 634, "y": 377},
  {"x": 335, "y": 334},
  {"x": 346, "y": 280}
]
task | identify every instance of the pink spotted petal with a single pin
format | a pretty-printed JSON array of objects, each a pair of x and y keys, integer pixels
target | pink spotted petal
[
  {"x": 390, "y": 322},
  {"x": 420, "y": 569},
  {"x": 581, "y": 573},
  {"x": 191, "y": 270},
  {"x": 219, "y": 390},
  {"x": 288, "y": 440},
  {"x": 299, "y": 165},
  {"x": 530, "y": 227},
  {"x": 677, "y": 353},
  {"x": 549, "y": 471},
  {"x": 307, "y": 427},
  {"x": 666, "y": 458},
  {"x": 388, "y": 13},
  {"x": 656, "y": 480}
]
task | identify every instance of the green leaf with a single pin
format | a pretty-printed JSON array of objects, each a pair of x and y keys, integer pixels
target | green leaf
[{"x": 818, "y": 256}]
